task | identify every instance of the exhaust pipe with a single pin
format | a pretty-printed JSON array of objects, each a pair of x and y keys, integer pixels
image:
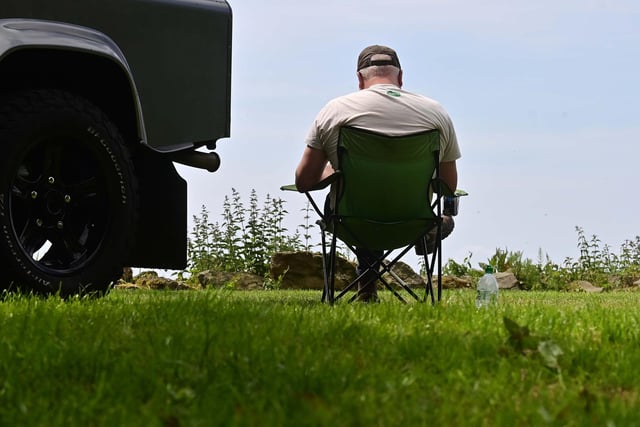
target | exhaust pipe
[{"x": 197, "y": 159}]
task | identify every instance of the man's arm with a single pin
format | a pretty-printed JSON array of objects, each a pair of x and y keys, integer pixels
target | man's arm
[
  {"x": 313, "y": 168},
  {"x": 449, "y": 174}
]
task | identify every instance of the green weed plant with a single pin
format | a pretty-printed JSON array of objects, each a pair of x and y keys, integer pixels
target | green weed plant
[
  {"x": 597, "y": 264},
  {"x": 244, "y": 241},
  {"x": 247, "y": 238}
]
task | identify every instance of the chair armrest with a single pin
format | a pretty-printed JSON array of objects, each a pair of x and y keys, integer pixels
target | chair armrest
[
  {"x": 446, "y": 190},
  {"x": 438, "y": 186},
  {"x": 319, "y": 186}
]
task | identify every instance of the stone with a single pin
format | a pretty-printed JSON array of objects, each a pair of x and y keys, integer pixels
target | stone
[
  {"x": 127, "y": 275},
  {"x": 406, "y": 273},
  {"x": 232, "y": 280},
  {"x": 507, "y": 280},
  {"x": 151, "y": 280},
  {"x": 584, "y": 286},
  {"x": 145, "y": 275},
  {"x": 303, "y": 270},
  {"x": 453, "y": 282}
]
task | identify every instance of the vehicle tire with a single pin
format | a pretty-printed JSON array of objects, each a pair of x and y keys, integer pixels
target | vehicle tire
[{"x": 67, "y": 200}]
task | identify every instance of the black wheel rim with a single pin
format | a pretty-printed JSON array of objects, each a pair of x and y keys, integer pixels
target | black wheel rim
[{"x": 59, "y": 204}]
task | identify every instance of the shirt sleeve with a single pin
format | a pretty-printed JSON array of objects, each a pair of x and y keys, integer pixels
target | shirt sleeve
[
  {"x": 449, "y": 148},
  {"x": 313, "y": 138},
  {"x": 323, "y": 134}
]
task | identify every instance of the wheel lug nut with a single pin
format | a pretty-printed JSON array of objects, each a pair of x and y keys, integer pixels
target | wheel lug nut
[
  {"x": 60, "y": 225},
  {"x": 51, "y": 180},
  {"x": 67, "y": 198},
  {"x": 39, "y": 222},
  {"x": 34, "y": 194}
]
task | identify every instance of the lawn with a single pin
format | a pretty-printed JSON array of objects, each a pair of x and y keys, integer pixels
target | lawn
[{"x": 281, "y": 358}]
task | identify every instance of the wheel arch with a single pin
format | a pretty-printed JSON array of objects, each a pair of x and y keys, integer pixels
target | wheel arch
[{"x": 53, "y": 55}]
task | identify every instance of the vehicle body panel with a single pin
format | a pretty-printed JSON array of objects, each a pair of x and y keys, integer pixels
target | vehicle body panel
[
  {"x": 16, "y": 34},
  {"x": 178, "y": 51}
]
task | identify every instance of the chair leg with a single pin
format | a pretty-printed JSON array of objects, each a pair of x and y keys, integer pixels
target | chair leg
[
  {"x": 366, "y": 279},
  {"x": 440, "y": 271},
  {"x": 436, "y": 261},
  {"x": 349, "y": 287},
  {"x": 428, "y": 265},
  {"x": 366, "y": 287},
  {"x": 328, "y": 265},
  {"x": 331, "y": 280},
  {"x": 378, "y": 268},
  {"x": 325, "y": 263},
  {"x": 387, "y": 268},
  {"x": 393, "y": 291},
  {"x": 438, "y": 250},
  {"x": 402, "y": 284}
]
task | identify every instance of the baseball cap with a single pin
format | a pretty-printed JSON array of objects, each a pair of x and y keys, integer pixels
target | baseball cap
[{"x": 365, "y": 58}]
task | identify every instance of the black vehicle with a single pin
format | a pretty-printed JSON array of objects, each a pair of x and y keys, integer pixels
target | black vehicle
[{"x": 97, "y": 100}]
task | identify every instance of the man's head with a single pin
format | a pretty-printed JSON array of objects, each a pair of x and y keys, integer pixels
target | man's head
[
  {"x": 378, "y": 64},
  {"x": 377, "y": 55}
]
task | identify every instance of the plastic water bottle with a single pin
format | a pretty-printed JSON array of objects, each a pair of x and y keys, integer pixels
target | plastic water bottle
[{"x": 487, "y": 289}]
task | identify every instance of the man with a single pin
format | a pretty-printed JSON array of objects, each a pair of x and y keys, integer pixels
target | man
[{"x": 381, "y": 105}]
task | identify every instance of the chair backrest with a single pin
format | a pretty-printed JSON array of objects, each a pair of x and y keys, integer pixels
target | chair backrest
[{"x": 384, "y": 198}]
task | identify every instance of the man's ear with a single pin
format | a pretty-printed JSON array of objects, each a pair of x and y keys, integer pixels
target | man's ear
[
  {"x": 360, "y": 81},
  {"x": 400, "y": 78}
]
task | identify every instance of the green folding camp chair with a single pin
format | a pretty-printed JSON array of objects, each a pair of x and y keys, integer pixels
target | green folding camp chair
[{"x": 388, "y": 195}]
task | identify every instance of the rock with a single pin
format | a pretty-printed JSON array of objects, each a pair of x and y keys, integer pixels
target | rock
[
  {"x": 507, "y": 280},
  {"x": 153, "y": 281},
  {"x": 303, "y": 270},
  {"x": 127, "y": 286},
  {"x": 225, "y": 279},
  {"x": 127, "y": 275},
  {"x": 145, "y": 275},
  {"x": 584, "y": 286},
  {"x": 406, "y": 273},
  {"x": 453, "y": 282},
  {"x": 141, "y": 281}
]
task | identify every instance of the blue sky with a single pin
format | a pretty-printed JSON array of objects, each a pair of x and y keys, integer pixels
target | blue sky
[{"x": 543, "y": 95}]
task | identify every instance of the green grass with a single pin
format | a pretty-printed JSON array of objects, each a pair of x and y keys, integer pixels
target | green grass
[{"x": 280, "y": 358}]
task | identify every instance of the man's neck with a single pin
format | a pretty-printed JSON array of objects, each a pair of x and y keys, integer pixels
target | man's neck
[{"x": 380, "y": 81}]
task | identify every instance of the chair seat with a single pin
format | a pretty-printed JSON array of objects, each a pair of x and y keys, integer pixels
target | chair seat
[{"x": 379, "y": 235}]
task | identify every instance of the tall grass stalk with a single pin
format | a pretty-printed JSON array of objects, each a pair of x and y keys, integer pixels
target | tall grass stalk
[{"x": 280, "y": 358}]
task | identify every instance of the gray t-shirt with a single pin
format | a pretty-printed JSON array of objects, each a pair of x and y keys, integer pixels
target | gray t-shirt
[{"x": 386, "y": 109}]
